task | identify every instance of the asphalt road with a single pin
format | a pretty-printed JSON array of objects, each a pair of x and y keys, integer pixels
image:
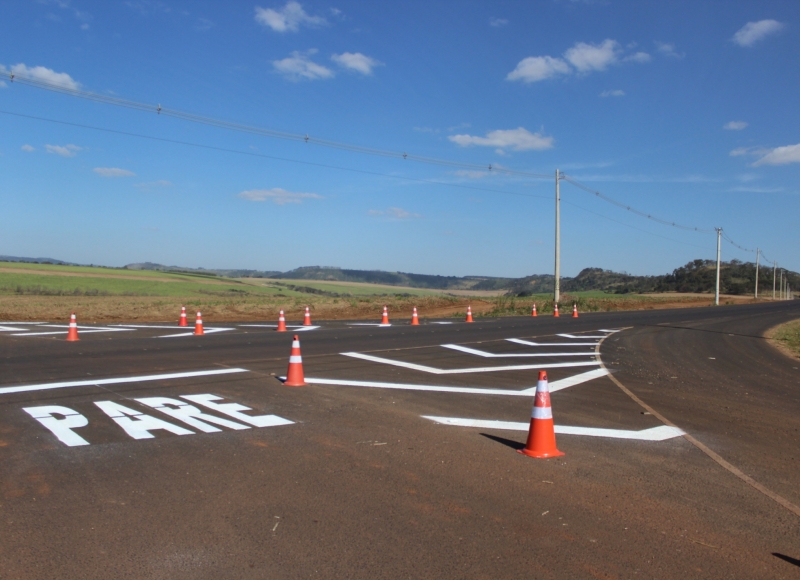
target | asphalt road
[{"x": 349, "y": 477}]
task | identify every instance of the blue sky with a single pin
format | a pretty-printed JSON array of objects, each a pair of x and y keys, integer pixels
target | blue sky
[{"x": 685, "y": 110}]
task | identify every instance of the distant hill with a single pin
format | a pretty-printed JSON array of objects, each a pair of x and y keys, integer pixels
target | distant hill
[
  {"x": 396, "y": 278},
  {"x": 34, "y": 260}
]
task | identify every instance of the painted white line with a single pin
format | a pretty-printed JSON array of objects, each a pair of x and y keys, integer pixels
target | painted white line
[
  {"x": 368, "y": 324},
  {"x": 174, "y": 326},
  {"x": 554, "y": 386},
  {"x": 570, "y": 381},
  {"x": 295, "y": 326},
  {"x": 661, "y": 433},
  {"x": 95, "y": 382},
  {"x": 441, "y": 323},
  {"x": 485, "y": 354},
  {"x": 10, "y": 322},
  {"x": 528, "y": 343},
  {"x": 205, "y": 330},
  {"x": 84, "y": 330},
  {"x": 12, "y": 329},
  {"x": 408, "y": 387},
  {"x": 436, "y": 371},
  {"x": 607, "y": 330},
  {"x": 579, "y": 336}
]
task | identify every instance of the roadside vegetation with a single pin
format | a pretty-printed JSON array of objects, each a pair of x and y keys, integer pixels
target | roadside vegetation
[{"x": 787, "y": 336}]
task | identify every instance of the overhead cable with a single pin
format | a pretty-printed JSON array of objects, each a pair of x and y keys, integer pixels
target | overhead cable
[
  {"x": 232, "y": 126},
  {"x": 632, "y": 209}
]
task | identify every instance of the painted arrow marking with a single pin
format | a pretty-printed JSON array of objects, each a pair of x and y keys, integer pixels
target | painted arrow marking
[
  {"x": 661, "y": 433},
  {"x": 485, "y": 354},
  {"x": 436, "y": 371},
  {"x": 554, "y": 386}
]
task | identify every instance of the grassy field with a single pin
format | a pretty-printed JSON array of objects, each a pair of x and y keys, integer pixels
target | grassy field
[
  {"x": 50, "y": 292},
  {"x": 788, "y": 336}
]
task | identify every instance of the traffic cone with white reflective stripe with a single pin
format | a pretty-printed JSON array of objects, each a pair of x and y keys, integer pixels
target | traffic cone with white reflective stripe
[
  {"x": 469, "y": 314},
  {"x": 533, "y": 310},
  {"x": 281, "y": 322},
  {"x": 541, "y": 435},
  {"x": 294, "y": 376},
  {"x": 414, "y": 318},
  {"x": 385, "y": 317},
  {"x": 555, "y": 310},
  {"x": 72, "y": 334},
  {"x": 198, "y": 325},
  {"x": 574, "y": 310},
  {"x": 183, "y": 317},
  {"x": 307, "y": 318}
]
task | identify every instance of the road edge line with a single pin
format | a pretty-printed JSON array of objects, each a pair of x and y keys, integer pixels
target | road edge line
[{"x": 701, "y": 446}]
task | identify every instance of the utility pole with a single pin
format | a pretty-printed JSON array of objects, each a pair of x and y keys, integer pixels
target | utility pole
[
  {"x": 758, "y": 252},
  {"x": 557, "y": 291},
  {"x": 780, "y": 293},
  {"x": 774, "y": 266},
  {"x": 719, "y": 241}
]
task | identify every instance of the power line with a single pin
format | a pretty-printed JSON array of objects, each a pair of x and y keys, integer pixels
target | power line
[
  {"x": 724, "y": 235},
  {"x": 273, "y": 157},
  {"x": 634, "y": 210},
  {"x": 242, "y": 128}
]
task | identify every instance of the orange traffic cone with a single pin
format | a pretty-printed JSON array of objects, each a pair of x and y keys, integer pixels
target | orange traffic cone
[
  {"x": 307, "y": 318},
  {"x": 533, "y": 311},
  {"x": 469, "y": 314},
  {"x": 294, "y": 376},
  {"x": 574, "y": 310},
  {"x": 385, "y": 317},
  {"x": 198, "y": 325},
  {"x": 183, "y": 317},
  {"x": 541, "y": 436},
  {"x": 281, "y": 322},
  {"x": 72, "y": 335},
  {"x": 555, "y": 310},
  {"x": 414, "y": 318}
]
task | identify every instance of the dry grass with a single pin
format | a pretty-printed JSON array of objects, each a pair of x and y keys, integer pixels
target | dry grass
[{"x": 786, "y": 337}]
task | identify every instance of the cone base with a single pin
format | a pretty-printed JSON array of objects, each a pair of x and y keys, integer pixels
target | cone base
[
  {"x": 71, "y": 339},
  {"x": 281, "y": 330},
  {"x": 541, "y": 455},
  {"x": 288, "y": 384}
]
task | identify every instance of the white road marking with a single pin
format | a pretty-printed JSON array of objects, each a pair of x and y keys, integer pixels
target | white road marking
[
  {"x": 174, "y": 326},
  {"x": 368, "y": 324},
  {"x": 436, "y": 371},
  {"x": 528, "y": 343},
  {"x": 485, "y": 354},
  {"x": 189, "y": 414},
  {"x": 9, "y": 322},
  {"x": 137, "y": 424},
  {"x": 234, "y": 410},
  {"x": 661, "y": 433},
  {"x": 11, "y": 329},
  {"x": 61, "y": 428},
  {"x": 299, "y": 327},
  {"x": 82, "y": 329},
  {"x": 115, "y": 381},
  {"x": 205, "y": 331},
  {"x": 441, "y": 323},
  {"x": 554, "y": 386},
  {"x": 580, "y": 336},
  {"x": 606, "y": 330},
  {"x": 570, "y": 381}
]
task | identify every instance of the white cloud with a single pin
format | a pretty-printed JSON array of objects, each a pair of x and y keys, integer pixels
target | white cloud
[
  {"x": 46, "y": 75},
  {"x": 27, "y": 148},
  {"x": 668, "y": 49},
  {"x": 739, "y": 151},
  {"x": 781, "y": 156},
  {"x": 735, "y": 125},
  {"x": 397, "y": 213},
  {"x": 752, "y": 32},
  {"x": 584, "y": 57},
  {"x": 471, "y": 174},
  {"x": 300, "y": 66},
  {"x": 538, "y": 68},
  {"x": 289, "y": 18},
  {"x": 3, "y": 85},
  {"x": 63, "y": 150},
  {"x": 356, "y": 61},
  {"x": 640, "y": 57},
  {"x": 113, "y": 172},
  {"x": 746, "y": 189},
  {"x": 614, "y": 93},
  {"x": 519, "y": 139},
  {"x": 277, "y": 195},
  {"x": 153, "y": 184},
  {"x": 588, "y": 57},
  {"x": 497, "y": 22}
]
